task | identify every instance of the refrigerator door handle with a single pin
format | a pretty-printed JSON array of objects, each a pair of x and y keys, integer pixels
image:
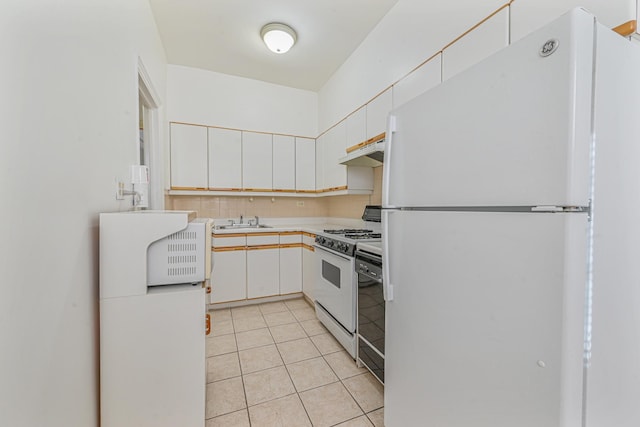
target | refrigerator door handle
[
  {"x": 386, "y": 171},
  {"x": 387, "y": 288}
]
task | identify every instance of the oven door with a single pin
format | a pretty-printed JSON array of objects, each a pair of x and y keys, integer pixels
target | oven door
[{"x": 335, "y": 286}]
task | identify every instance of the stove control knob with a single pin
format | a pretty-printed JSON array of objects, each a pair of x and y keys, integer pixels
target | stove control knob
[{"x": 331, "y": 243}]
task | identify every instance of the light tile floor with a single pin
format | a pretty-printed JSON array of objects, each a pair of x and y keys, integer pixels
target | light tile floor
[{"x": 275, "y": 364}]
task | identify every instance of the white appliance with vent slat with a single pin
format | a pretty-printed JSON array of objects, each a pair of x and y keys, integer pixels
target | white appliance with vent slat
[
  {"x": 153, "y": 318},
  {"x": 180, "y": 257}
]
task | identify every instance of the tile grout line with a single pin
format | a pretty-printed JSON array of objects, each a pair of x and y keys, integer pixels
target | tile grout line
[{"x": 291, "y": 379}]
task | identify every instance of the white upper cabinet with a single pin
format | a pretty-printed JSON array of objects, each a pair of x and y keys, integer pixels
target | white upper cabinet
[
  {"x": 284, "y": 163},
  {"x": 418, "y": 82},
  {"x": 377, "y": 111},
  {"x": 321, "y": 142},
  {"x": 225, "y": 159},
  {"x": 257, "y": 167},
  {"x": 491, "y": 36},
  {"x": 529, "y": 15},
  {"x": 305, "y": 164},
  {"x": 188, "y": 156},
  {"x": 335, "y": 174},
  {"x": 356, "y": 125}
]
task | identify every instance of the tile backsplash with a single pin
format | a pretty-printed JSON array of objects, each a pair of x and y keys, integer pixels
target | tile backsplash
[{"x": 278, "y": 207}]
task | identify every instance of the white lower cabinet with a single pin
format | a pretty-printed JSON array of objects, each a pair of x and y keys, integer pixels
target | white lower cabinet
[
  {"x": 229, "y": 275},
  {"x": 263, "y": 265},
  {"x": 263, "y": 275},
  {"x": 257, "y": 265},
  {"x": 308, "y": 272},
  {"x": 290, "y": 263}
]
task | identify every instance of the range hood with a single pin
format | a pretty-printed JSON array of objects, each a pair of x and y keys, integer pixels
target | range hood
[{"x": 371, "y": 154}]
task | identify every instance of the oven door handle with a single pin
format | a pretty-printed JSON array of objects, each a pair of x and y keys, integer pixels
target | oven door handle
[
  {"x": 332, "y": 253},
  {"x": 373, "y": 279}
]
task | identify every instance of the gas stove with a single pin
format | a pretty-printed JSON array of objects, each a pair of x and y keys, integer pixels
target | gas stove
[{"x": 344, "y": 240}]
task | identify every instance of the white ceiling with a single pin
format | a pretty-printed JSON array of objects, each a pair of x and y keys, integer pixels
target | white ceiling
[{"x": 224, "y": 36}]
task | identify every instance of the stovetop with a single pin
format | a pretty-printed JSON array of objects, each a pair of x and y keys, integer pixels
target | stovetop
[{"x": 345, "y": 240}]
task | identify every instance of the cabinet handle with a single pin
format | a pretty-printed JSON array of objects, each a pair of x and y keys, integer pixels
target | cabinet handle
[
  {"x": 208, "y": 289},
  {"x": 208, "y": 324}
]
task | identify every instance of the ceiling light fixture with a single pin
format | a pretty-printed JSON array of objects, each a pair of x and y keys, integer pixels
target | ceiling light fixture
[{"x": 278, "y": 37}]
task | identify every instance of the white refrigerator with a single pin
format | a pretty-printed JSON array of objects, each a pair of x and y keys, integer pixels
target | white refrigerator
[{"x": 511, "y": 194}]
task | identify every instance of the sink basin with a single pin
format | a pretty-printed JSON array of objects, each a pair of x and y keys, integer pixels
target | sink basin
[{"x": 240, "y": 226}]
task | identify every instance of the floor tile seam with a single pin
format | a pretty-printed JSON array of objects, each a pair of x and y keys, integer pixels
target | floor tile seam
[
  {"x": 296, "y": 339},
  {"x": 282, "y": 324},
  {"x": 351, "y": 419},
  {"x": 334, "y": 371},
  {"x": 343, "y": 421},
  {"x": 316, "y": 387},
  {"x": 257, "y": 346},
  {"x": 266, "y": 345},
  {"x": 354, "y": 397},
  {"x": 221, "y": 335},
  {"x": 271, "y": 400}
]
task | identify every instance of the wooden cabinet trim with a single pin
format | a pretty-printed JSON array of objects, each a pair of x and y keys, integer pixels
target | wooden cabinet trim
[
  {"x": 189, "y": 188},
  {"x": 290, "y": 233},
  {"x": 627, "y": 29},
  {"x": 290, "y": 245},
  {"x": 262, "y": 247},
  {"x": 272, "y": 233},
  {"x": 229, "y": 249},
  {"x": 219, "y": 236},
  {"x": 369, "y": 141},
  {"x": 308, "y": 247},
  {"x": 305, "y": 233},
  {"x": 225, "y": 189}
]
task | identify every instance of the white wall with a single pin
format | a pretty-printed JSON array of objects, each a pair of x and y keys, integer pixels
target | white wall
[
  {"x": 215, "y": 99},
  {"x": 68, "y": 108}
]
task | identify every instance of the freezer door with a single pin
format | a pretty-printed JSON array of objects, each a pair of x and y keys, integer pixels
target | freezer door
[
  {"x": 513, "y": 130},
  {"x": 485, "y": 328}
]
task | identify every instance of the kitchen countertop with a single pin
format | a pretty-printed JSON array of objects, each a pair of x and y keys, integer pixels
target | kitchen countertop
[{"x": 277, "y": 225}]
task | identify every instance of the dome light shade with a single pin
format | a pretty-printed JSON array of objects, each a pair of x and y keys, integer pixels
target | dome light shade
[{"x": 278, "y": 37}]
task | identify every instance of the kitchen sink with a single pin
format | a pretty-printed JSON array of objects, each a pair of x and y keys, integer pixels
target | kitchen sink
[{"x": 240, "y": 226}]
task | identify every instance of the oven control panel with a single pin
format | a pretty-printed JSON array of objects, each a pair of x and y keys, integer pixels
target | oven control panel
[
  {"x": 335, "y": 244},
  {"x": 369, "y": 265}
]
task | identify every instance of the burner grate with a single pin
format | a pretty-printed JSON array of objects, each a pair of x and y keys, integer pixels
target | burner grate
[
  {"x": 349, "y": 231},
  {"x": 358, "y": 236}
]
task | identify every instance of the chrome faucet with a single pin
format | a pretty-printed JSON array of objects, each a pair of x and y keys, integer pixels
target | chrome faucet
[
  {"x": 256, "y": 223},
  {"x": 240, "y": 220}
]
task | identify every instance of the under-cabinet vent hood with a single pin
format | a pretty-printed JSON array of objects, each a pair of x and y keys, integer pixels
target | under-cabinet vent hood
[{"x": 371, "y": 154}]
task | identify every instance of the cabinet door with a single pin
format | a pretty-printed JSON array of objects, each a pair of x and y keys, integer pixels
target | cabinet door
[
  {"x": 284, "y": 163},
  {"x": 308, "y": 271},
  {"x": 229, "y": 276},
  {"x": 290, "y": 269},
  {"x": 418, "y": 82},
  {"x": 320, "y": 162},
  {"x": 225, "y": 159},
  {"x": 263, "y": 271},
  {"x": 257, "y": 158},
  {"x": 335, "y": 173},
  {"x": 188, "y": 157},
  {"x": 491, "y": 36},
  {"x": 356, "y": 125},
  {"x": 305, "y": 164},
  {"x": 377, "y": 111}
]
